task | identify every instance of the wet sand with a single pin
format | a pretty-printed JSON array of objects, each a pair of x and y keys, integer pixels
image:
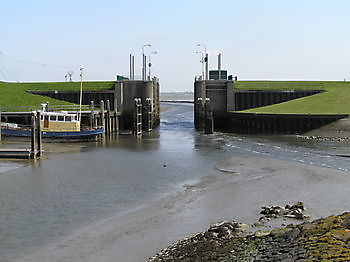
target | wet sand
[{"x": 243, "y": 186}]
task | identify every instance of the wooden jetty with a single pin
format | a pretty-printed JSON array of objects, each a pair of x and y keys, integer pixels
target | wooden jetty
[{"x": 35, "y": 150}]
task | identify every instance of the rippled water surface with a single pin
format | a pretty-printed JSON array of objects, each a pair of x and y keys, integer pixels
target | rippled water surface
[{"x": 45, "y": 201}]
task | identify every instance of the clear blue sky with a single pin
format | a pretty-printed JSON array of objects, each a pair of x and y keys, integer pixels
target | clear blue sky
[{"x": 259, "y": 39}]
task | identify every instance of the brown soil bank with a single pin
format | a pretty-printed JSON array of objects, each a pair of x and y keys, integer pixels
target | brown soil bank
[{"x": 326, "y": 239}]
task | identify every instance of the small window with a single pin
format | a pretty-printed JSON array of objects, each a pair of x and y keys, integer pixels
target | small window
[
  {"x": 60, "y": 118},
  {"x": 46, "y": 118},
  {"x": 52, "y": 118},
  {"x": 41, "y": 117},
  {"x": 68, "y": 118}
]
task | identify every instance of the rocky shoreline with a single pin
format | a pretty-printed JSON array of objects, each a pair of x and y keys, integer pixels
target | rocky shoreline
[{"x": 325, "y": 239}]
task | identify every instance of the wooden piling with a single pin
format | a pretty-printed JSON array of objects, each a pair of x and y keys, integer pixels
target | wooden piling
[
  {"x": 33, "y": 136},
  {"x": 108, "y": 118},
  {"x": 38, "y": 135},
  {"x": 102, "y": 115},
  {"x": 92, "y": 115}
]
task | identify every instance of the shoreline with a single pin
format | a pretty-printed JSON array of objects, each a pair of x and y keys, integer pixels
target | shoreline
[{"x": 244, "y": 185}]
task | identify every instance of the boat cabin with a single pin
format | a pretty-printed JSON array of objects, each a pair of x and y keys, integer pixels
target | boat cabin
[{"x": 59, "y": 121}]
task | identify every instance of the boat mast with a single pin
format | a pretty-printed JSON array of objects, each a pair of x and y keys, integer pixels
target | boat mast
[{"x": 81, "y": 91}]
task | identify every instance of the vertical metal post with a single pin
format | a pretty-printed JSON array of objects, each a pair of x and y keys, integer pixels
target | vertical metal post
[
  {"x": 206, "y": 66},
  {"x": 130, "y": 66},
  {"x": 138, "y": 117},
  {"x": 133, "y": 68},
  {"x": 219, "y": 65},
  {"x": 148, "y": 115}
]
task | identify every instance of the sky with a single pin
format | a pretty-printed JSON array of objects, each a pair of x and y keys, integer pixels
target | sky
[{"x": 41, "y": 40}]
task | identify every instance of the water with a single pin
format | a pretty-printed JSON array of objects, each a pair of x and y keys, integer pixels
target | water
[{"x": 43, "y": 202}]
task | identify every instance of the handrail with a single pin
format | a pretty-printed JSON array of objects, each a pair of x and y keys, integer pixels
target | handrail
[{"x": 51, "y": 108}]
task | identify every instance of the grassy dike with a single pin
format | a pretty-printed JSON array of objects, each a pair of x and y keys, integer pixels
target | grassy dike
[
  {"x": 16, "y": 94},
  {"x": 335, "y": 98}
]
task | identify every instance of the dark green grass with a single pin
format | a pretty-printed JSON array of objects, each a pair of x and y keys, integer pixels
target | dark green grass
[{"x": 16, "y": 94}]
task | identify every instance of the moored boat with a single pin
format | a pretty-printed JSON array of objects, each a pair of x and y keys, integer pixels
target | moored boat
[{"x": 55, "y": 125}]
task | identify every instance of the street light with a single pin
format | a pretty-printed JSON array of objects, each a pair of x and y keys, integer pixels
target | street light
[
  {"x": 205, "y": 59},
  {"x": 202, "y": 61},
  {"x": 144, "y": 61},
  {"x": 150, "y": 64}
]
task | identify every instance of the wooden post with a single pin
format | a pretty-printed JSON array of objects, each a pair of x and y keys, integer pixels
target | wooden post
[
  {"x": 92, "y": 114},
  {"x": 208, "y": 118},
  {"x": 108, "y": 118},
  {"x": 33, "y": 135},
  {"x": 102, "y": 121},
  {"x": 38, "y": 134}
]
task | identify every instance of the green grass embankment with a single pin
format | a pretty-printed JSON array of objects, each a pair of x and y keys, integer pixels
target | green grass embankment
[
  {"x": 335, "y": 98},
  {"x": 16, "y": 94}
]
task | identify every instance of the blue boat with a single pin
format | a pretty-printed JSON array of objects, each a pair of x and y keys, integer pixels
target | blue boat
[
  {"x": 55, "y": 125},
  {"x": 71, "y": 135}
]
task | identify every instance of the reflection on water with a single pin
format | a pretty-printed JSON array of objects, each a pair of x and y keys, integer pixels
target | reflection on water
[{"x": 43, "y": 201}]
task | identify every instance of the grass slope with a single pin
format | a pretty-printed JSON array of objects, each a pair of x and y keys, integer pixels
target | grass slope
[
  {"x": 334, "y": 100},
  {"x": 15, "y": 94}
]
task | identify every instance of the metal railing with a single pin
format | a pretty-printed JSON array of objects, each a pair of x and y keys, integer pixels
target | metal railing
[{"x": 50, "y": 108}]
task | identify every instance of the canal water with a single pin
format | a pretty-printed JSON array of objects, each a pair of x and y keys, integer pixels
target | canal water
[{"x": 78, "y": 184}]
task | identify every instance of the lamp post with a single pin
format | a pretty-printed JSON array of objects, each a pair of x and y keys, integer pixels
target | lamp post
[
  {"x": 81, "y": 91},
  {"x": 150, "y": 64},
  {"x": 205, "y": 60},
  {"x": 144, "y": 61},
  {"x": 202, "y": 61}
]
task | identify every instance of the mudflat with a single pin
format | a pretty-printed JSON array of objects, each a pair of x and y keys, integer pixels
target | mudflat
[{"x": 238, "y": 192}]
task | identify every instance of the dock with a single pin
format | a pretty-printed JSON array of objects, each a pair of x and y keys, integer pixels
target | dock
[{"x": 18, "y": 153}]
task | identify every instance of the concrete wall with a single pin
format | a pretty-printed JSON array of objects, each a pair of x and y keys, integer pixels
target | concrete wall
[{"x": 221, "y": 95}]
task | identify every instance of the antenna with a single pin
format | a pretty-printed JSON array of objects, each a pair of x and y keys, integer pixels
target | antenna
[{"x": 70, "y": 73}]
